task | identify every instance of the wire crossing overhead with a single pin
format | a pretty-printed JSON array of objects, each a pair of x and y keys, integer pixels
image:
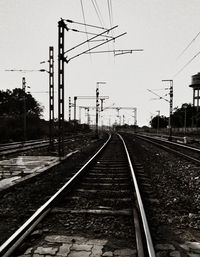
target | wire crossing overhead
[
  {"x": 187, "y": 47},
  {"x": 159, "y": 97}
]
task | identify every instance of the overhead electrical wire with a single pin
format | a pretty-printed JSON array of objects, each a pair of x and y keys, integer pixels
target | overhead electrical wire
[
  {"x": 97, "y": 12},
  {"x": 187, "y": 64},
  {"x": 90, "y": 39},
  {"x": 111, "y": 19},
  {"x": 85, "y": 23},
  {"x": 109, "y": 11},
  {"x": 185, "y": 49}
]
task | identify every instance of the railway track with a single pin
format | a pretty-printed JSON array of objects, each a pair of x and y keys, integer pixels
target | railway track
[
  {"x": 11, "y": 148},
  {"x": 18, "y": 147},
  {"x": 185, "y": 151},
  {"x": 101, "y": 201}
]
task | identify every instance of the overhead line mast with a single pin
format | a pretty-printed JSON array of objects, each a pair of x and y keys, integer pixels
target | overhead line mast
[{"x": 62, "y": 26}]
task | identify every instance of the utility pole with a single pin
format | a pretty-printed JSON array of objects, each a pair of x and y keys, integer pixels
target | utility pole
[
  {"x": 97, "y": 107},
  {"x": 158, "y": 121},
  {"x": 75, "y": 99},
  {"x": 51, "y": 97},
  {"x": 123, "y": 119},
  {"x": 70, "y": 105},
  {"x": 88, "y": 116},
  {"x": 61, "y": 27},
  {"x": 170, "y": 106},
  {"x": 62, "y": 58},
  {"x": 184, "y": 106},
  {"x": 79, "y": 115},
  {"x": 24, "y": 100}
]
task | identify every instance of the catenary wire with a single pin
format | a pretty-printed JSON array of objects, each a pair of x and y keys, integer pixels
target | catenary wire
[
  {"x": 83, "y": 13},
  {"x": 186, "y": 64},
  {"x": 97, "y": 12},
  {"x": 186, "y": 48}
]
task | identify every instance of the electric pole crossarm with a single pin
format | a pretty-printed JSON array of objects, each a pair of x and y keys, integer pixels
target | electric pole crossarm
[
  {"x": 41, "y": 70},
  {"x": 86, "y": 41},
  {"x": 89, "y": 33},
  {"x": 84, "y": 24},
  {"x": 97, "y": 46},
  {"x": 129, "y": 51},
  {"x": 119, "y": 108},
  {"x": 116, "y": 52},
  {"x": 91, "y": 97}
]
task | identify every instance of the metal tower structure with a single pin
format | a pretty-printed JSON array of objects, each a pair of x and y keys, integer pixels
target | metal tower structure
[
  {"x": 61, "y": 40},
  {"x": 51, "y": 96},
  {"x": 102, "y": 98},
  {"x": 86, "y": 108},
  {"x": 62, "y": 58},
  {"x": 24, "y": 100},
  {"x": 70, "y": 106},
  {"x": 170, "y": 106},
  {"x": 134, "y": 109}
]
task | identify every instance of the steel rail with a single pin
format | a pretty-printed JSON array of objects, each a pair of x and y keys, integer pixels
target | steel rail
[
  {"x": 19, "y": 142},
  {"x": 148, "y": 238},
  {"x": 151, "y": 140},
  {"x": 24, "y": 146},
  {"x": 172, "y": 143},
  {"x": 7, "y": 248}
]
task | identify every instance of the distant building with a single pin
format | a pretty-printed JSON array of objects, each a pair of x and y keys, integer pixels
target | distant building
[{"x": 196, "y": 89}]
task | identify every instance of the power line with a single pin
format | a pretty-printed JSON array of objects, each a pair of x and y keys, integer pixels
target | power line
[
  {"x": 109, "y": 11},
  {"x": 160, "y": 97},
  {"x": 186, "y": 64},
  {"x": 95, "y": 47},
  {"x": 97, "y": 11},
  {"x": 184, "y": 50},
  {"x": 110, "y": 18},
  {"x": 117, "y": 52},
  {"x": 90, "y": 39},
  {"x": 85, "y": 22}
]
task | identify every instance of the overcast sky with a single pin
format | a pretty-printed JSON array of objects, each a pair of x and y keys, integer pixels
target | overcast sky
[{"x": 163, "y": 28}]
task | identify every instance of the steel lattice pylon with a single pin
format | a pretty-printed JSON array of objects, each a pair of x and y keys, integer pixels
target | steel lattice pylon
[
  {"x": 61, "y": 28},
  {"x": 51, "y": 96}
]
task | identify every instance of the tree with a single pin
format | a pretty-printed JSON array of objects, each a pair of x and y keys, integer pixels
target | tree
[
  {"x": 14, "y": 106},
  {"x": 186, "y": 114},
  {"x": 160, "y": 121}
]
